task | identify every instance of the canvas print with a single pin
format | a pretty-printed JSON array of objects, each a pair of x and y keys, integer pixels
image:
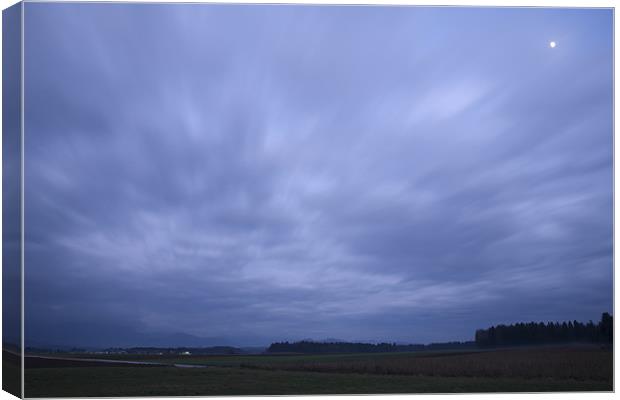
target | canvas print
[{"x": 234, "y": 199}]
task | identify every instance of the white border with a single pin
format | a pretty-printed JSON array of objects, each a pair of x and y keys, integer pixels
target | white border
[{"x": 475, "y": 3}]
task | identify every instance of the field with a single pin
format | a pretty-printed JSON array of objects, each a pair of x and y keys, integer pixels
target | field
[
  {"x": 11, "y": 372},
  {"x": 510, "y": 370}
]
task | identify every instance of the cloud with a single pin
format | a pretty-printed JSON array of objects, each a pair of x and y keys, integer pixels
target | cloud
[{"x": 362, "y": 173}]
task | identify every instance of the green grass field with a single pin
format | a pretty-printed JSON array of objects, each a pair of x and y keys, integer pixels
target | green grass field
[{"x": 519, "y": 370}]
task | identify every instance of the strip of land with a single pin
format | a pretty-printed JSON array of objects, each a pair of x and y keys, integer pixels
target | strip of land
[
  {"x": 507, "y": 370},
  {"x": 37, "y": 361}
]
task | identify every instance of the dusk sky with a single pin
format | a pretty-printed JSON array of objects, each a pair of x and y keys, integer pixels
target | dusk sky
[{"x": 250, "y": 174}]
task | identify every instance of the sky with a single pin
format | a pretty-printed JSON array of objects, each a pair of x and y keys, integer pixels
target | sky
[{"x": 235, "y": 174}]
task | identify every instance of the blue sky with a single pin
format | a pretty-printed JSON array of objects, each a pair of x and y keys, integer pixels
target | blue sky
[{"x": 259, "y": 173}]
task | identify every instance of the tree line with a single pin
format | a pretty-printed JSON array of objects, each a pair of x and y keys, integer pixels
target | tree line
[
  {"x": 551, "y": 332},
  {"x": 311, "y": 347},
  {"x": 530, "y": 333}
]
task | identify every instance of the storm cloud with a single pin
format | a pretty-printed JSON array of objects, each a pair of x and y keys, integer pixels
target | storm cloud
[{"x": 258, "y": 173}]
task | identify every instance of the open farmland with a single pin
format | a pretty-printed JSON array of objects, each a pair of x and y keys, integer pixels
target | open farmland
[
  {"x": 514, "y": 370},
  {"x": 563, "y": 363}
]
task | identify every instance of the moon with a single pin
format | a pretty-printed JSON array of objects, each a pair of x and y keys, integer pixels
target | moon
[{"x": 552, "y": 44}]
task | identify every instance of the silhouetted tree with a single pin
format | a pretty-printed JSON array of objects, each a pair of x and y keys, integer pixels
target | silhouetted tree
[
  {"x": 606, "y": 328},
  {"x": 551, "y": 332}
]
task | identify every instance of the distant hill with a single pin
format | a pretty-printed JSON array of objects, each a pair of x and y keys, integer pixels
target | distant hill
[
  {"x": 144, "y": 340},
  {"x": 219, "y": 350},
  {"x": 214, "y": 350},
  {"x": 311, "y": 347}
]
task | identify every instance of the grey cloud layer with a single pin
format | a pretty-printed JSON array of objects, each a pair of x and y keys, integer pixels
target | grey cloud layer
[{"x": 364, "y": 173}]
